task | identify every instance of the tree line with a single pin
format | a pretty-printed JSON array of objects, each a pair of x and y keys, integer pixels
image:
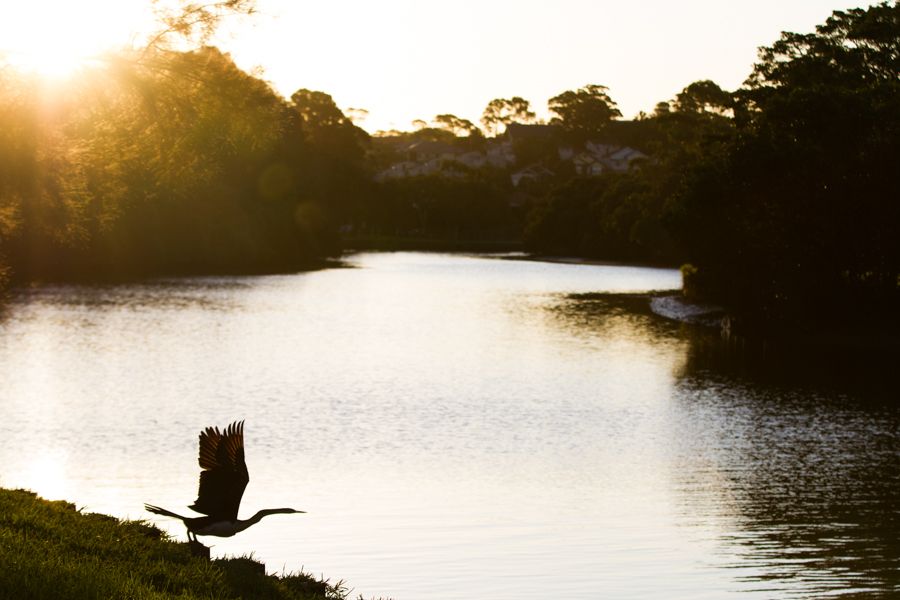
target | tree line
[
  {"x": 180, "y": 163},
  {"x": 781, "y": 195},
  {"x": 794, "y": 219}
]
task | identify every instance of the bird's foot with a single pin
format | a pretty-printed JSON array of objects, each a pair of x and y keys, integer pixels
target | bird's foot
[{"x": 198, "y": 549}]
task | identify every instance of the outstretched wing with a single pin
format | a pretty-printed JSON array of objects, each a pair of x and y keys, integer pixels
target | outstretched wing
[{"x": 224, "y": 475}]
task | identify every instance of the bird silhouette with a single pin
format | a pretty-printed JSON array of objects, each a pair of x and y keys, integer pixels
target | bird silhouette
[{"x": 223, "y": 478}]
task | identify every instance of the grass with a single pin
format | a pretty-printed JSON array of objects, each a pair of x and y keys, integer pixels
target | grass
[{"x": 52, "y": 550}]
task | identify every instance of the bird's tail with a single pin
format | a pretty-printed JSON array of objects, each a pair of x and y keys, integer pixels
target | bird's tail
[{"x": 162, "y": 511}]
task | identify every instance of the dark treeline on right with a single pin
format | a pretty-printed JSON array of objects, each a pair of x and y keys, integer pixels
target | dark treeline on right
[
  {"x": 782, "y": 197},
  {"x": 792, "y": 216}
]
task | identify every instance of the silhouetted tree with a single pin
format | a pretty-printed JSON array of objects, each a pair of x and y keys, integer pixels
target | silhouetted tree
[
  {"x": 704, "y": 96},
  {"x": 584, "y": 111},
  {"x": 192, "y": 23},
  {"x": 503, "y": 111},
  {"x": 798, "y": 215},
  {"x": 327, "y": 126},
  {"x": 456, "y": 125}
]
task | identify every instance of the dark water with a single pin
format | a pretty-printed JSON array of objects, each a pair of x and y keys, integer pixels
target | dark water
[{"x": 464, "y": 427}]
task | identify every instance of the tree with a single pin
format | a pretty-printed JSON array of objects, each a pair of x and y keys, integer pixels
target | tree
[
  {"x": 797, "y": 216},
  {"x": 692, "y": 125},
  {"x": 703, "y": 97},
  {"x": 317, "y": 109},
  {"x": 456, "y": 125},
  {"x": 502, "y": 112},
  {"x": 855, "y": 47},
  {"x": 193, "y": 23},
  {"x": 183, "y": 165},
  {"x": 584, "y": 111},
  {"x": 327, "y": 126},
  {"x": 662, "y": 108}
]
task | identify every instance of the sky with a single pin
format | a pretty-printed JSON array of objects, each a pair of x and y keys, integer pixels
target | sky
[{"x": 403, "y": 59}]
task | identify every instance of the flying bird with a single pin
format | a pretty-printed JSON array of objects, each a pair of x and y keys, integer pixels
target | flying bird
[{"x": 223, "y": 477}]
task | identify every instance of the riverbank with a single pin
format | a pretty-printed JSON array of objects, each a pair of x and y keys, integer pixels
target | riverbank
[
  {"x": 579, "y": 260},
  {"x": 54, "y": 550},
  {"x": 103, "y": 277},
  {"x": 394, "y": 243},
  {"x": 831, "y": 335},
  {"x": 677, "y": 308}
]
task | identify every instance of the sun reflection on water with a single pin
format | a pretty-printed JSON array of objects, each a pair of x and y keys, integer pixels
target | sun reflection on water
[{"x": 45, "y": 475}]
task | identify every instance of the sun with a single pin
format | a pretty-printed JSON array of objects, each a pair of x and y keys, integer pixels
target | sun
[
  {"x": 48, "y": 62},
  {"x": 55, "y": 38}
]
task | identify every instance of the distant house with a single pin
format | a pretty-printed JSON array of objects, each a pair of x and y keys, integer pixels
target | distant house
[
  {"x": 435, "y": 157},
  {"x": 417, "y": 158},
  {"x": 430, "y": 158},
  {"x": 598, "y": 158},
  {"x": 624, "y": 158},
  {"x": 588, "y": 164}
]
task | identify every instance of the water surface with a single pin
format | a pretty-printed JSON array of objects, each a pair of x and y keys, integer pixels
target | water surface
[{"x": 456, "y": 426}]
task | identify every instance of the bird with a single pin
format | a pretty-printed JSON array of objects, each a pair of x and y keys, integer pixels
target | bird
[{"x": 223, "y": 478}]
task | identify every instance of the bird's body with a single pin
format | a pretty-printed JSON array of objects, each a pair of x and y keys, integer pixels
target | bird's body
[{"x": 223, "y": 479}]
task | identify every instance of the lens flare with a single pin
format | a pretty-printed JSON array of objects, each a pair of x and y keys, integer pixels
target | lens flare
[{"x": 55, "y": 39}]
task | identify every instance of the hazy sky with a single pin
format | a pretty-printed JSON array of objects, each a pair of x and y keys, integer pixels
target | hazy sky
[{"x": 406, "y": 59}]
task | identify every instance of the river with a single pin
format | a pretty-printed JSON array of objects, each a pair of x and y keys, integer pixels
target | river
[{"x": 458, "y": 427}]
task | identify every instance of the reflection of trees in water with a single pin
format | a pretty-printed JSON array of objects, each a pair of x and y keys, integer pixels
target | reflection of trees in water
[
  {"x": 206, "y": 293},
  {"x": 793, "y": 449},
  {"x": 826, "y": 365},
  {"x": 622, "y": 315},
  {"x": 810, "y": 480}
]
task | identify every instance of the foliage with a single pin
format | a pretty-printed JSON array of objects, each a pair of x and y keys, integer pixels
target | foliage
[
  {"x": 329, "y": 165},
  {"x": 456, "y": 125},
  {"x": 704, "y": 97},
  {"x": 783, "y": 195},
  {"x": 177, "y": 164},
  {"x": 797, "y": 217},
  {"x": 51, "y": 550},
  {"x": 193, "y": 23},
  {"x": 615, "y": 217},
  {"x": 164, "y": 161},
  {"x": 624, "y": 216},
  {"x": 584, "y": 111},
  {"x": 503, "y": 111},
  {"x": 326, "y": 125},
  {"x": 42, "y": 184},
  {"x": 433, "y": 206}
]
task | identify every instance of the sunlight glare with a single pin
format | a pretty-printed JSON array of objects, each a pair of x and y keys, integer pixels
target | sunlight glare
[
  {"x": 46, "y": 476},
  {"x": 55, "y": 38}
]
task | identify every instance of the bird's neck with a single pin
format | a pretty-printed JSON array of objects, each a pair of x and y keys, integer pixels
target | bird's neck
[{"x": 242, "y": 525}]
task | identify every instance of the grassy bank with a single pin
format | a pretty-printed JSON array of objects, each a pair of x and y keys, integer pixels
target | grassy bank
[{"x": 52, "y": 550}]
